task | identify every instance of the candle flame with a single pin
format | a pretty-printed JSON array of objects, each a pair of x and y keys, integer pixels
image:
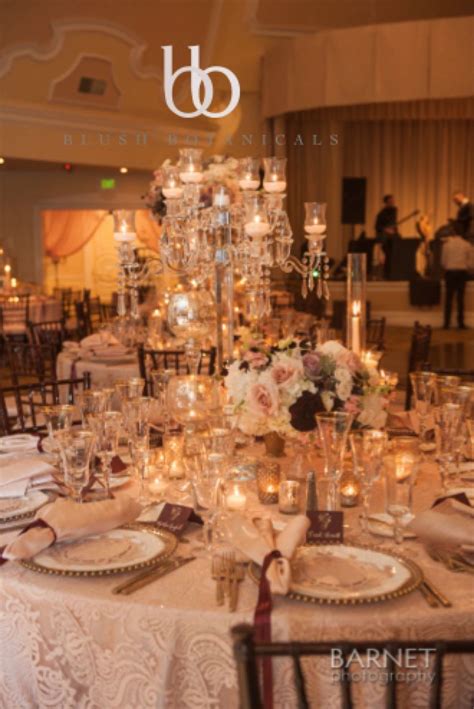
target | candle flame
[{"x": 356, "y": 308}]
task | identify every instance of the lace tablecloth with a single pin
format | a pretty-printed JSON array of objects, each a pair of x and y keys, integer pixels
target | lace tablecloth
[{"x": 69, "y": 643}]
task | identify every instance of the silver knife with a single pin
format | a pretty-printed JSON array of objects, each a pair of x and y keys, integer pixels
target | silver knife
[{"x": 150, "y": 575}]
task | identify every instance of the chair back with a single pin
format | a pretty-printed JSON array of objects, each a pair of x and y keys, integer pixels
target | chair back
[
  {"x": 90, "y": 315},
  {"x": 248, "y": 654},
  {"x": 375, "y": 335},
  {"x": 15, "y": 315},
  {"x": 19, "y": 404},
  {"x": 418, "y": 355},
  {"x": 149, "y": 360},
  {"x": 51, "y": 333},
  {"x": 27, "y": 360}
]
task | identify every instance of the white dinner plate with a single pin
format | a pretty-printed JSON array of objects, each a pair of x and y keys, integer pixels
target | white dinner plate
[
  {"x": 343, "y": 574},
  {"x": 119, "y": 550},
  {"x": 18, "y": 442},
  {"x": 12, "y": 508}
]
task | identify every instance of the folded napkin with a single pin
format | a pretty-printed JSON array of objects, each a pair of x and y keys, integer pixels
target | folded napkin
[
  {"x": 99, "y": 339},
  {"x": 19, "y": 442},
  {"x": 16, "y": 474},
  {"x": 449, "y": 524},
  {"x": 65, "y": 520},
  {"x": 256, "y": 539}
]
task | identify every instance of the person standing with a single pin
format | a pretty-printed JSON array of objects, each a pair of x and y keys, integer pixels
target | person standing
[
  {"x": 465, "y": 216},
  {"x": 455, "y": 259},
  {"x": 386, "y": 230}
]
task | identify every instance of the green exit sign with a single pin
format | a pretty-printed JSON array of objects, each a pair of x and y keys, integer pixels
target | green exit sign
[{"x": 107, "y": 183}]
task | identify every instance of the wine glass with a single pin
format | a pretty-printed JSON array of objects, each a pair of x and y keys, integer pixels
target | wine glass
[
  {"x": 401, "y": 468},
  {"x": 448, "y": 443},
  {"x": 424, "y": 389},
  {"x": 106, "y": 428},
  {"x": 91, "y": 402},
  {"x": 76, "y": 450},
  {"x": 333, "y": 430},
  {"x": 368, "y": 449}
]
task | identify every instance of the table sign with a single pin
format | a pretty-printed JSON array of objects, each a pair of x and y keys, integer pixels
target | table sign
[
  {"x": 326, "y": 527},
  {"x": 174, "y": 518}
]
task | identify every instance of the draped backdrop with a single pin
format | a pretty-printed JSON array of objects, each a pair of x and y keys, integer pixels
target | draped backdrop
[{"x": 421, "y": 151}]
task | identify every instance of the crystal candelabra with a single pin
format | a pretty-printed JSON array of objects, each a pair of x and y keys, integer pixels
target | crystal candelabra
[
  {"x": 131, "y": 273},
  {"x": 254, "y": 227}
]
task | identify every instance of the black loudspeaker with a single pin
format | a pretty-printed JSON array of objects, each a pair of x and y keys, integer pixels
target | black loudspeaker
[{"x": 353, "y": 200}]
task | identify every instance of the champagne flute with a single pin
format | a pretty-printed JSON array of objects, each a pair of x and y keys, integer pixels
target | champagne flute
[
  {"x": 367, "y": 450},
  {"x": 401, "y": 468}
]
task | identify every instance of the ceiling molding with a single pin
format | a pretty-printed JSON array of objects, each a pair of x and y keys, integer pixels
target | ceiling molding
[
  {"x": 61, "y": 28},
  {"x": 68, "y": 72}
]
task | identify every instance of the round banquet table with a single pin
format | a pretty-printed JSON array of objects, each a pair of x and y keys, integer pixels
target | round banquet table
[
  {"x": 69, "y": 643},
  {"x": 102, "y": 374}
]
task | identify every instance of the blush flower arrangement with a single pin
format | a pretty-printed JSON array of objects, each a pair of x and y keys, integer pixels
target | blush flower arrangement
[{"x": 280, "y": 389}]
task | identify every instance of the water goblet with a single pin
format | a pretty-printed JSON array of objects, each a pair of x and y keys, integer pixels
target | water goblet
[
  {"x": 401, "y": 468},
  {"x": 76, "y": 450},
  {"x": 424, "y": 389},
  {"x": 448, "y": 443},
  {"x": 333, "y": 430},
  {"x": 367, "y": 449}
]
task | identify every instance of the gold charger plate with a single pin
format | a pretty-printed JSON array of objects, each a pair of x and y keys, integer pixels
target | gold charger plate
[
  {"x": 168, "y": 544},
  {"x": 411, "y": 583},
  {"x": 43, "y": 497}
]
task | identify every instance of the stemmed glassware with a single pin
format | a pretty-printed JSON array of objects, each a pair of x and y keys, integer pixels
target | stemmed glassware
[
  {"x": 333, "y": 430},
  {"x": 401, "y": 468},
  {"x": 368, "y": 449},
  {"x": 106, "y": 428},
  {"x": 448, "y": 441},
  {"x": 76, "y": 449},
  {"x": 424, "y": 389},
  {"x": 192, "y": 400}
]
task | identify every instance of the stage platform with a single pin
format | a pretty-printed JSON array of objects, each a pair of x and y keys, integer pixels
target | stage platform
[{"x": 392, "y": 300}]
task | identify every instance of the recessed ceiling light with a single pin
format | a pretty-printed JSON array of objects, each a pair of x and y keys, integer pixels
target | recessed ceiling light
[
  {"x": 2, "y": 160},
  {"x": 124, "y": 170}
]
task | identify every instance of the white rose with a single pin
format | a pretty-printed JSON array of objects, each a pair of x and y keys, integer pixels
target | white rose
[
  {"x": 344, "y": 383},
  {"x": 373, "y": 411}
]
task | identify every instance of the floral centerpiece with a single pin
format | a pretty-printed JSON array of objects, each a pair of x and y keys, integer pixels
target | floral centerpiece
[{"x": 280, "y": 389}]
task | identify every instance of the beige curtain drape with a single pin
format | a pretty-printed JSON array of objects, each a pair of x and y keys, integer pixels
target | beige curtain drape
[
  {"x": 418, "y": 150},
  {"x": 67, "y": 231}
]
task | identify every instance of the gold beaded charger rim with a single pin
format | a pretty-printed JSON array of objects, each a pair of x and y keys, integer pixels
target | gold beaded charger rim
[
  {"x": 44, "y": 496},
  {"x": 169, "y": 540},
  {"x": 414, "y": 580}
]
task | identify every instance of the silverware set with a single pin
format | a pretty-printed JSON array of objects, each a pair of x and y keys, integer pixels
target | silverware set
[
  {"x": 433, "y": 596},
  {"x": 227, "y": 573},
  {"x": 152, "y": 574}
]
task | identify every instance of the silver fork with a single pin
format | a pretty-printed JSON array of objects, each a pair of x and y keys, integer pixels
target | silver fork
[{"x": 217, "y": 572}]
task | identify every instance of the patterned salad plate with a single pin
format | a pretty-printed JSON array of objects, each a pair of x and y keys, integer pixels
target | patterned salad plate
[
  {"x": 135, "y": 546},
  {"x": 342, "y": 574}
]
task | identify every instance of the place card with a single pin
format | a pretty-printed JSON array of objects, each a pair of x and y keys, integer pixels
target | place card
[
  {"x": 326, "y": 527},
  {"x": 174, "y": 518}
]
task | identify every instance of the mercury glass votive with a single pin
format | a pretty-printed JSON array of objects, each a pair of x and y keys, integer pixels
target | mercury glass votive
[
  {"x": 268, "y": 480},
  {"x": 289, "y": 497}
]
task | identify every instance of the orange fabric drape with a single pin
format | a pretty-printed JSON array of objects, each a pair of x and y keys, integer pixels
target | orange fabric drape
[{"x": 67, "y": 231}]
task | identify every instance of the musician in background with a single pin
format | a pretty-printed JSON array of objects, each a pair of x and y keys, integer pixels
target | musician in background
[
  {"x": 465, "y": 215},
  {"x": 386, "y": 229}
]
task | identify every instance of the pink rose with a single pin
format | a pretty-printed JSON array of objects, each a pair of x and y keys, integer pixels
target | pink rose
[
  {"x": 262, "y": 399},
  {"x": 286, "y": 370},
  {"x": 255, "y": 359},
  {"x": 312, "y": 364}
]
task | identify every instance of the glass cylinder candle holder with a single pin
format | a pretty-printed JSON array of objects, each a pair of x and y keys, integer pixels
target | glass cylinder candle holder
[
  {"x": 356, "y": 302},
  {"x": 349, "y": 489},
  {"x": 315, "y": 221},
  {"x": 173, "y": 449},
  {"x": 235, "y": 497},
  {"x": 289, "y": 497},
  {"x": 190, "y": 165},
  {"x": 275, "y": 178},
  {"x": 124, "y": 225},
  {"x": 249, "y": 178},
  {"x": 172, "y": 188},
  {"x": 268, "y": 481}
]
